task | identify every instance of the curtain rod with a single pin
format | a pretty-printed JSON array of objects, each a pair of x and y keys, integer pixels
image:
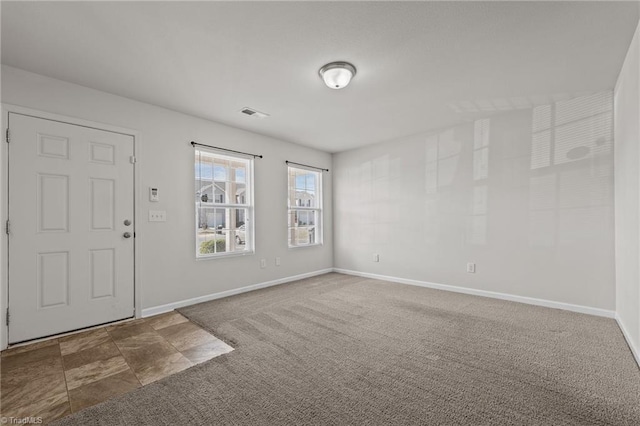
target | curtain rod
[
  {"x": 306, "y": 165},
  {"x": 225, "y": 149}
]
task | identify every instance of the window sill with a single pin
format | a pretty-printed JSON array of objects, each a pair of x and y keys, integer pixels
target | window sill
[
  {"x": 225, "y": 255},
  {"x": 305, "y": 246}
]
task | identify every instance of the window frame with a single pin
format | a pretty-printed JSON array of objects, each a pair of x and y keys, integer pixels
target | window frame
[
  {"x": 249, "y": 204},
  {"x": 319, "y": 209}
]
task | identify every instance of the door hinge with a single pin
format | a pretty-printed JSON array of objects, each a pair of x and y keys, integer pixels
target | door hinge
[
  {"x": 8, "y": 136},
  {"x": 6, "y": 227},
  {"x": 132, "y": 159},
  {"x": 8, "y": 316}
]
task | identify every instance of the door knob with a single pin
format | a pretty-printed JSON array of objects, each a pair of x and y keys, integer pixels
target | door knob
[{"x": 127, "y": 235}]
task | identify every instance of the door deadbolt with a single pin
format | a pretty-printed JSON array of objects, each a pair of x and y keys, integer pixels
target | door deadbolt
[{"x": 127, "y": 222}]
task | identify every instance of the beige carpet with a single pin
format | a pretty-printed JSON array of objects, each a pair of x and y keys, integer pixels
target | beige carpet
[{"x": 342, "y": 350}]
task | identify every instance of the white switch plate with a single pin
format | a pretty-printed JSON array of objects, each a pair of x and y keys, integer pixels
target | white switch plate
[
  {"x": 277, "y": 261},
  {"x": 157, "y": 216},
  {"x": 263, "y": 263},
  {"x": 376, "y": 257},
  {"x": 471, "y": 268}
]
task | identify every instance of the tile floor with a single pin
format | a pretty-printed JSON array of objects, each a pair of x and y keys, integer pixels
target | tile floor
[{"x": 53, "y": 378}]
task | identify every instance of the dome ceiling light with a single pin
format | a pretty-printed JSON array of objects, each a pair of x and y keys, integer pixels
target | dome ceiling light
[{"x": 337, "y": 75}]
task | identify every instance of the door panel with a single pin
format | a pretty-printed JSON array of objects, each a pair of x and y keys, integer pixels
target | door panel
[
  {"x": 103, "y": 277},
  {"x": 70, "y": 191},
  {"x": 102, "y": 204},
  {"x": 53, "y": 279},
  {"x": 53, "y": 203}
]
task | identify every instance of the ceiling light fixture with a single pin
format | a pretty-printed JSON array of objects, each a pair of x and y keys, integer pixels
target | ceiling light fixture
[{"x": 337, "y": 75}]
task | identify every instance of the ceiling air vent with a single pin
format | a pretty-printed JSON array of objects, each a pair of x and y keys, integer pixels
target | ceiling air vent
[{"x": 253, "y": 113}]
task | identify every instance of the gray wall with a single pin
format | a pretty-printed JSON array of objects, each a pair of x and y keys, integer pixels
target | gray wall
[
  {"x": 169, "y": 270},
  {"x": 627, "y": 195},
  {"x": 527, "y": 195}
]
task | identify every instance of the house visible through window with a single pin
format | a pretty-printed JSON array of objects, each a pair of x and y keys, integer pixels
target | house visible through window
[
  {"x": 305, "y": 207},
  {"x": 224, "y": 204}
]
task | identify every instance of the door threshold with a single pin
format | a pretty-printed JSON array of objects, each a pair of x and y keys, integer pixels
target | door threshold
[{"x": 68, "y": 333}]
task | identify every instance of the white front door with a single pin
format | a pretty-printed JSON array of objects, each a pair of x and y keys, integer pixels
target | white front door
[{"x": 71, "y": 231}]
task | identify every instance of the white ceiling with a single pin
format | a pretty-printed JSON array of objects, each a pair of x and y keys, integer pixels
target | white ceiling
[{"x": 421, "y": 66}]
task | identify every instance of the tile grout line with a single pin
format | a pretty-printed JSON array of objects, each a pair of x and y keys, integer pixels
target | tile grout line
[
  {"x": 164, "y": 339},
  {"x": 19, "y": 406},
  {"x": 123, "y": 357},
  {"x": 130, "y": 368},
  {"x": 121, "y": 354},
  {"x": 64, "y": 373},
  {"x": 65, "y": 334},
  {"x": 172, "y": 345}
]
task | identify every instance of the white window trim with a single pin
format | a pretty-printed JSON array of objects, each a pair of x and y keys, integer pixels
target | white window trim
[
  {"x": 319, "y": 208},
  {"x": 250, "y": 207}
]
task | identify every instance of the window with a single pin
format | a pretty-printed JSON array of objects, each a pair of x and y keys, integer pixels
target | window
[
  {"x": 224, "y": 204},
  {"x": 305, "y": 207}
]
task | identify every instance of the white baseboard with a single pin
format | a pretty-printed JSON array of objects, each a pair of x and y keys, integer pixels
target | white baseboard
[
  {"x": 495, "y": 295},
  {"x": 155, "y": 310},
  {"x": 635, "y": 351}
]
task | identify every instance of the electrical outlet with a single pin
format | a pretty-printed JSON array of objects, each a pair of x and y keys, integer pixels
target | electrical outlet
[
  {"x": 376, "y": 257},
  {"x": 263, "y": 263},
  {"x": 471, "y": 268},
  {"x": 157, "y": 216},
  {"x": 277, "y": 261}
]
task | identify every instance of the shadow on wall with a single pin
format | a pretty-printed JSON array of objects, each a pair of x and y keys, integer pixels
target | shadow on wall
[
  {"x": 570, "y": 169},
  {"x": 531, "y": 178}
]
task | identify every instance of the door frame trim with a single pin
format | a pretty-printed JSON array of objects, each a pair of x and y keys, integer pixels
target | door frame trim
[{"x": 4, "y": 211}]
